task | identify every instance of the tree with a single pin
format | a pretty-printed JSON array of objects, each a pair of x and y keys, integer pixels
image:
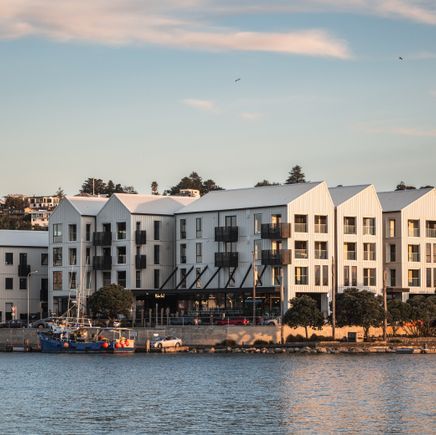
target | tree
[
  {"x": 296, "y": 175},
  {"x": 266, "y": 183},
  {"x": 398, "y": 313},
  {"x": 404, "y": 186},
  {"x": 93, "y": 186},
  {"x": 13, "y": 214},
  {"x": 303, "y": 312},
  {"x": 110, "y": 301},
  {"x": 60, "y": 193},
  {"x": 194, "y": 181},
  {"x": 359, "y": 308},
  {"x": 154, "y": 188},
  {"x": 423, "y": 315}
]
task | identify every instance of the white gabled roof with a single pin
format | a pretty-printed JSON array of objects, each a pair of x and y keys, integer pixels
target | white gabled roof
[
  {"x": 340, "y": 194},
  {"x": 253, "y": 197},
  {"x": 153, "y": 204},
  {"x": 87, "y": 205},
  {"x": 24, "y": 238},
  {"x": 396, "y": 201}
]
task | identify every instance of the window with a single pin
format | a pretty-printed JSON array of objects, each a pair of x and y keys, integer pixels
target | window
[
  {"x": 430, "y": 228},
  {"x": 392, "y": 253},
  {"x": 23, "y": 258},
  {"x": 230, "y": 221},
  {"x": 301, "y": 276},
  {"x": 434, "y": 252},
  {"x": 300, "y": 223},
  {"x": 72, "y": 233},
  {"x": 88, "y": 280},
  {"x": 198, "y": 228},
  {"x": 231, "y": 278},
  {"x": 325, "y": 275},
  {"x": 156, "y": 225},
  {"x": 350, "y": 225},
  {"x": 277, "y": 275},
  {"x": 88, "y": 232},
  {"x": 413, "y": 253},
  {"x": 317, "y": 275},
  {"x": 57, "y": 256},
  {"x": 321, "y": 250},
  {"x": 183, "y": 253},
  {"x": 369, "y": 279},
  {"x": 350, "y": 251},
  {"x": 257, "y": 249},
  {"x": 57, "y": 280},
  {"x": 121, "y": 278},
  {"x": 72, "y": 280},
  {"x": 72, "y": 256},
  {"x": 391, "y": 228},
  {"x": 88, "y": 256},
  {"x": 23, "y": 283},
  {"x": 434, "y": 277},
  {"x": 198, "y": 253},
  {"x": 393, "y": 277},
  {"x": 121, "y": 231},
  {"x": 183, "y": 228},
  {"x": 428, "y": 252},
  {"x": 301, "y": 249},
  {"x": 197, "y": 277},
  {"x": 156, "y": 278},
  {"x": 183, "y": 278},
  {"x": 320, "y": 224},
  {"x": 57, "y": 233},
  {"x": 9, "y": 283},
  {"x": 413, "y": 228},
  {"x": 428, "y": 278},
  {"x": 369, "y": 226},
  {"x": 9, "y": 258},
  {"x": 121, "y": 255},
  {"x": 138, "y": 279},
  {"x": 44, "y": 259},
  {"x": 257, "y": 223},
  {"x": 369, "y": 251},
  {"x": 156, "y": 254},
  {"x": 413, "y": 278},
  {"x": 346, "y": 276},
  {"x": 107, "y": 278},
  {"x": 354, "y": 276}
]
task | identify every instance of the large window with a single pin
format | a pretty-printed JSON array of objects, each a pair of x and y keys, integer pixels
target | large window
[
  {"x": 72, "y": 279},
  {"x": 301, "y": 250},
  {"x": 183, "y": 228},
  {"x": 321, "y": 250},
  {"x": 88, "y": 232},
  {"x": 300, "y": 223},
  {"x": 320, "y": 224},
  {"x": 430, "y": 228},
  {"x": 57, "y": 233},
  {"x": 317, "y": 275},
  {"x": 428, "y": 252},
  {"x": 72, "y": 232},
  {"x": 369, "y": 251},
  {"x": 44, "y": 259},
  {"x": 414, "y": 277},
  {"x": 369, "y": 226},
  {"x": 350, "y": 251},
  {"x": 325, "y": 275},
  {"x": 57, "y": 256},
  {"x": 121, "y": 278},
  {"x": 392, "y": 228},
  {"x": 198, "y": 253},
  {"x": 183, "y": 278},
  {"x": 156, "y": 227},
  {"x": 369, "y": 277},
  {"x": 393, "y": 277},
  {"x": 350, "y": 225},
  {"x": 198, "y": 228},
  {"x": 350, "y": 280},
  {"x": 428, "y": 278},
  {"x": 257, "y": 249},
  {"x": 197, "y": 277},
  {"x": 156, "y": 254},
  {"x": 183, "y": 253},
  {"x": 121, "y": 255},
  {"x": 257, "y": 223},
  {"x": 23, "y": 283},
  {"x": 392, "y": 253},
  {"x": 72, "y": 257},
  {"x": 413, "y": 253},
  {"x": 107, "y": 278},
  {"x": 121, "y": 231},
  {"x": 9, "y": 283},
  {"x": 413, "y": 228},
  {"x": 9, "y": 258},
  {"x": 301, "y": 276},
  {"x": 156, "y": 278},
  {"x": 57, "y": 280},
  {"x": 230, "y": 221}
]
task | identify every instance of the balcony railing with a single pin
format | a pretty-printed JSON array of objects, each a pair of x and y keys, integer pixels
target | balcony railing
[
  {"x": 103, "y": 238},
  {"x": 300, "y": 227},
  {"x": 369, "y": 256},
  {"x": 280, "y": 257},
  {"x": 121, "y": 259},
  {"x": 141, "y": 261},
  {"x": 414, "y": 256},
  {"x": 23, "y": 270},
  {"x": 140, "y": 237},
  {"x": 321, "y": 254},
  {"x": 351, "y": 255},
  {"x": 275, "y": 231},
  {"x": 301, "y": 253},
  {"x": 414, "y": 282},
  {"x": 349, "y": 229},
  {"x": 102, "y": 262},
  {"x": 320, "y": 228},
  {"x": 431, "y": 232},
  {"x": 369, "y": 230},
  {"x": 413, "y": 232},
  {"x": 226, "y": 259},
  {"x": 226, "y": 234}
]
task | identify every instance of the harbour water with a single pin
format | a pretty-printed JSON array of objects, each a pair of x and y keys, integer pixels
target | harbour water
[{"x": 225, "y": 393}]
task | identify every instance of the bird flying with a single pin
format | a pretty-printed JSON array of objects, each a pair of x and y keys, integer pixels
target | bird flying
[
  {"x": 400, "y": 58},
  {"x": 237, "y": 80}
]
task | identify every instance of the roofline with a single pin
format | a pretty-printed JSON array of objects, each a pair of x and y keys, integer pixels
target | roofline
[
  {"x": 24, "y": 246},
  {"x": 231, "y": 209}
]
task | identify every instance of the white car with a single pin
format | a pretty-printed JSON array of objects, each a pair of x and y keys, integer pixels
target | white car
[{"x": 169, "y": 341}]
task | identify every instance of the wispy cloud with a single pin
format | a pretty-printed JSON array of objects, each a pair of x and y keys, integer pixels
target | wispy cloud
[
  {"x": 251, "y": 116},
  {"x": 206, "y": 105},
  {"x": 401, "y": 131}
]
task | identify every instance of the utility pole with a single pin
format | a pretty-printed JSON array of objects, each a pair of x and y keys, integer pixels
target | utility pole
[
  {"x": 333, "y": 299},
  {"x": 385, "y": 305},
  {"x": 254, "y": 286},
  {"x": 282, "y": 288}
]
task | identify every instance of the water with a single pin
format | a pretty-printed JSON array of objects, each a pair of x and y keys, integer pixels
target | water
[{"x": 217, "y": 394}]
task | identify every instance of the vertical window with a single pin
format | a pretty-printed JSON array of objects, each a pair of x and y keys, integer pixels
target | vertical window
[
  {"x": 346, "y": 276},
  {"x": 392, "y": 253},
  {"x": 156, "y": 254},
  {"x": 369, "y": 226},
  {"x": 9, "y": 283},
  {"x": 72, "y": 280},
  {"x": 72, "y": 232},
  {"x": 391, "y": 228},
  {"x": 276, "y": 275},
  {"x": 428, "y": 252},
  {"x": 156, "y": 230},
  {"x": 121, "y": 278},
  {"x": 300, "y": 223},
  {"x": 182, "y": 228},
  {"x": 413, "y": 277},
  {"x": 121, "y": 255},
  {"x": 198, "y": 228},
  {"x": 301, "y": 249},
  {"x": 198, "y": 253},
  {"x": 230, "y": 221},
  {"x": 88, "y": 232},
  {"x": 430, "y": 228},
  {"x": 57, "y": 233},
  {"x": 44, "y": 259},
  {"x": 72, "y": 257},
  {"x": 434, "y": 277},
  {"x": 413, "y": 253},
  {"x": 107, "y": 278},
  {"x": 88, "y": 256},
  {"x": 197, "y": 277},
  {"x": 183, "y": 253},
  {"x": 317, "y": 275},
  {"x": 231, "y": 278},
  {"x": 428, "y": 278},
  {"x": 88, "y": 279},
  {"x": 23, "y": 283},
  {"x": 57, "y": 280},
  {"x": 413, "y": 227},
  {"x": 393, "y": 277},
  {"x": 138, "y": 279},
  {"x": 138, "y": 225},
  {"x": 354, "y": 276},
  {"x": 321, "y": 250},
  {"x": 369, "y": 278},
  {"x": 183, "y": 278},
  {"x": 121, "y": 231},
  {"x": 57, "y": 256},
  {"x": 9, "y": 258},
  {"x": 156, "y": 278},
  {"x": 350, "y": 251},
  {"x": 434, "y": 252},
  {"x": 258, "y": 249},
  {"x": 257, "y": 223},
  {"x": 350, "y": 225},
  {"x": 320, "y": 224},
  {"x": 325, "y": 275},
  {"x": 369, "y": 251},
  {"x": 301, "y": 276}
]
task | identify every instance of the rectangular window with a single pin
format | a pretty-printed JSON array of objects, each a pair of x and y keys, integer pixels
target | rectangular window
[
  {"x": 183, "y": 228},
  {"x": 72, "y": 232},
  {"x": 57, "y": 280},
  {"x": 182, "y": 278},
  {"x": 198, "y": 253},
  {"x": 88, "y": 280},
  {"x": 121, "y": 231},
  {"x": 428, "y": 252},
  {"x": 230, "y": 221},
  {"x": 369, "y": 226},
  {"x": 72, "y": 256},
  {"x": 9, "y": 283},
  {"x": 301, "y": 250},
  {"x": 369, "y": 251},
  {"x": 197, "y": 277},
  {"x": 350, "y": 251},
  {"x": 430, "y": 228},
  {"x": 23, "y": 283},
  {"x": 321, "y": 250},
  {"x": 346, "y": 276},
  {"x": 198, "y": 228},
  {"x": 325, "y": 275},
  {"x": 156, "y": 254},
  {"x": 88, "y": 232},
  {"x": 231, "y": 278},
  {"x": 57, "y": 233},
  {"x": 393, "y": 277},
  {"x": 57, "y": 256},
  {"x": 121, "y": 278},
  {"x": 434, "y": 277},
  {"x": 107, "y": 278},
  {"x": 44, "y": 259},
  {"x": 414, "y": 278},
  {"x": 350, "y": 225},
  {"x": 138, "y": 279},
  {"x": 434, "y": 252},
  {"x": 320, "y": 224},
  {"x": 300, "y": 223},
  {"x": 257, "y": 223},
  {"x": 156, "y": 278},
  {"x": 72, "y": 280},
  {"x": 88, "y": 256},
  {"x": 121, "y": 255},
  {"x": 276, "y": 275},
  {"x": 392, "y": 253},
  {"x": 413, "y": 253},
  {"x": 258, "y": 249},
  {"x": 369, "y": 278},
  {"x": 392, "y": 228},
  {"x": 317, "y": 275},
  {"x": 301, "y": 276},
  {"x": 413, "y": 227},
  {"x": 9, "y": 258},
  {"x": 354, "y": 276},
  {"x": 183, "y": 253},
  {"x": 156, "y": 227},
  {"x": 428, "y": 278}
]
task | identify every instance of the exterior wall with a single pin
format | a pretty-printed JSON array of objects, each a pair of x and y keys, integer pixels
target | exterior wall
[
  {"x": 397, "y": 241},
  {"x": 365, "y": 204}
]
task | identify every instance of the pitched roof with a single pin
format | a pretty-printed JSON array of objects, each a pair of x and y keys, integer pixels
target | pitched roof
[
  {"x": 23, "y": 238},
  {"x": 253, "y": 197},
  {"x": 153, "y": 204},
  {"x": 396, "y": 201},
  {"x": 87, "y": 205},
  {"x": 340, "y": 194}
]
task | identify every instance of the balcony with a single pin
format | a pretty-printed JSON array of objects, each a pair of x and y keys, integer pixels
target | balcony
[
  {"x": 300, "y": 227},
  {"x": 140, "y": 237},
  {"x": 103, "y": 238},
  {"x": 226, "y": 259},
  {"x": 275, "y": 231},
  {"x": 414, "y": 257},
  {"x": 351, "y": 255},
  {"x": 349, "y": 229},
  {"x": 226, "y": 234},
  {"x": 280, "y": 257},
  {"x": 321, "y": 254},
  {"x": 102, "y": 262},
  {"x": 23, "y": 270},
  {"x": 301, "y": 253},
  {"x": 141, "y": 261},
  {"x": 430, "y": 232}
]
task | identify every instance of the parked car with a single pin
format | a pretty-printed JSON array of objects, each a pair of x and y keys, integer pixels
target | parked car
[
  {"x": 42, "y": 323},
  {"x": 277, "y": 321},
  {"x": 15, "y": 323},
  {"x": 233, "y": 321},
  {"x": 168, "y": 341}
]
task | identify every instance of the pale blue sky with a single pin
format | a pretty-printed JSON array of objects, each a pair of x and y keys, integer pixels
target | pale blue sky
[{"x": 144, "y": 90}]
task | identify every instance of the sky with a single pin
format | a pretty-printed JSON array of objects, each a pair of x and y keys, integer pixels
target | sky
[{"x": 137, "y": 91}]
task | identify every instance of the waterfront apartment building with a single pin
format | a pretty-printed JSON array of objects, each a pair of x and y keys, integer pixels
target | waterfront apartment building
[
  {"x": 229, "y": 239},
  {"x": 358, "y": 238},
  {"x": 409, "y": 225},
  {"x": 23, "y": 274}
]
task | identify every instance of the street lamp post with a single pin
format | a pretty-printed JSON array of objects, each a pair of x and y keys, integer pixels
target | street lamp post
[{"x": 28, "y": 295}]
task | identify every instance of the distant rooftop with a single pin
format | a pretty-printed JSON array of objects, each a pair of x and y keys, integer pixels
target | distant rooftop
[
  {"x": 87, "y": 205},
  {"x": 340, "y": 194},
  {"x": 396, "y": 201},
  {"x": 23, "y": 238},
  {"x": 253, "y": 197},
  {"x": 153, "y": 204}
]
